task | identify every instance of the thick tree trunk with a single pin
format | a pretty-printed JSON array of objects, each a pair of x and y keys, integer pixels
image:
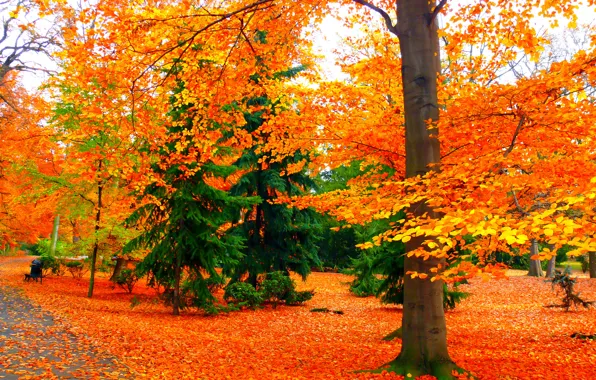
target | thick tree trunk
[
  {"x": 424, "y": 342},
  {"x": 535, "y": 265},
  {"x": 592, "y": 264},
  {"x": 54, "y": 241}
]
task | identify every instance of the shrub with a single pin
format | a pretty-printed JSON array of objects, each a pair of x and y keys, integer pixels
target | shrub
[
  {"x": 296, "y": 298},
  {"x": 243, "y": 294},
  {"x": 278, "y": 287},
  {"x": 76, "y": 268},
  {"x": 126, "y": 279},
  {"x": 51, "y": 264},
  {"x": 452, "y": 296},
  {"x": 566, "y": 283}
]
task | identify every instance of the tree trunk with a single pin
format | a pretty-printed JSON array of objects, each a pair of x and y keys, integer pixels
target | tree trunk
[
  {"x": 54, "y": 241},
  {"x": 535, "y": 265},
  {"x": 75, "y": 231},
  {"x": 592, "y": 264},
  {"x": 96, "y": 244},
  {"x": 424, "y": 342},
  {"x": 550, "y": 269},
  {"x": 120, "y": 261},
  {"x": 177, "y": 270},
  {"x": 177, "y": 275}
]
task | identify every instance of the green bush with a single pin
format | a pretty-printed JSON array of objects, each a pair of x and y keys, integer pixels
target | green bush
[
  {"x": 296, "y": 298},
  {"x": 243, "y": 294},
  {"x": 279, "y": 287},
  {"x": 43, "y": 247},
  {"x": 126, "y": 279},
  {"x": 276, "y": 288},
  {"x": 452, "y": 296},
  {"x": 51, "y": 264}
]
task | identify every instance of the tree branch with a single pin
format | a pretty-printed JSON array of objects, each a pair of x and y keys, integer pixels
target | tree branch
[
  {"x": 392, "y": 28},
  {"x": 436, "y": 11},
  {"x": 517, "y": 130},
  {"x": 519, "y": 207}
]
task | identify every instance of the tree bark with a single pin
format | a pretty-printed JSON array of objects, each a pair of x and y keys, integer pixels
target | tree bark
[
  {"x": 120, "y": 261},
  {"x": 177, "y": 276},
  {"x": 592, "y": 264},
  {"x": 424, "y": 342},
  {"x": 99, "y": 205},
  {"x": 75, "y": 231},
  {"x": 54, "y": 241},
  {"x": 550, "y": 269},
  {"x": 552, "y": 263},
  {"x": 535, "y": 265}
]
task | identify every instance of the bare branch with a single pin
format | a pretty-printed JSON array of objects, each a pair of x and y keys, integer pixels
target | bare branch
[
  {"x": 519, "y": 207},
  {"x": 456, "y": 149},
  {"x": 436, "y": 11},
  {"x": 392, "y": 28},
  {"x": 515, "y": 134}
]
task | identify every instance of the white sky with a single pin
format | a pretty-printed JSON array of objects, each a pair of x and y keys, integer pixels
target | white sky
[{"x": 328, "y": 37}]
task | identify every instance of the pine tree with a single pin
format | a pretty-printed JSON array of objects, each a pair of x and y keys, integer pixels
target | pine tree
[
  {"x": 183, "y": 227},
  {"x": 278, "y": 238}
]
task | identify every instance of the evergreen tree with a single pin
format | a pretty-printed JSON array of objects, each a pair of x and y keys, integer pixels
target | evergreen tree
[
  {"x": 278, "y": 238},
  {"x": 182, "y": 228}
]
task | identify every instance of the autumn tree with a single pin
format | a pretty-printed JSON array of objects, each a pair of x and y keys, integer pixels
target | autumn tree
[
  {"x": 495, "y": 161},
  {"x": 25, "y": 40},
  {"x": 183, "y": 221}
]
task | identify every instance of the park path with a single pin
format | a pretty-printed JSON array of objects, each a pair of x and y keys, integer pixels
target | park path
[{"x": 35, "y": 345}]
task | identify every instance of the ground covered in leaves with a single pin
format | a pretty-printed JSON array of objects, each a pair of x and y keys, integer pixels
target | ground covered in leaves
[{"x": 501, "y": 332}]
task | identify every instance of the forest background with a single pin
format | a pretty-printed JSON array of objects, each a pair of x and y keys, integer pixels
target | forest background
[{"x": 207, "y": 141}]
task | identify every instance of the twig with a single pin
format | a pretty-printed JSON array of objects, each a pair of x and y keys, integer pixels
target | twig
[
  {"x": 519, "y": 207},
  {"x": 515, "y": 134},
  {"x": 392, "y": 28}
]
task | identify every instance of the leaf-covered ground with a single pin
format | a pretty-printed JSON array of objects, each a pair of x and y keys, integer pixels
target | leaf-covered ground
[
  {"x": 501, "y": 332},
  {"x": 34, "y": 344}
]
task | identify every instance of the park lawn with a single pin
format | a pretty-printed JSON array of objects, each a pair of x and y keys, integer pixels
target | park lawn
[
  {"x": 575, "y": 266},
  {"x": 503, "y": 331}
]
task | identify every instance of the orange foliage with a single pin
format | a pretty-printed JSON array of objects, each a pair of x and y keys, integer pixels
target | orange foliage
[
  {"x": 24, "y": 144},
  {"x": 501, "y": 331}
]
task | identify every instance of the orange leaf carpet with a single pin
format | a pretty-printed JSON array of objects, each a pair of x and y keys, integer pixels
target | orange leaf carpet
[{"x": 501, "y": 332}]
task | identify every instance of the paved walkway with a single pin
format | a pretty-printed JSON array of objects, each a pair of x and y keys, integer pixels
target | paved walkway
[{"x": 33, "y": 345}]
